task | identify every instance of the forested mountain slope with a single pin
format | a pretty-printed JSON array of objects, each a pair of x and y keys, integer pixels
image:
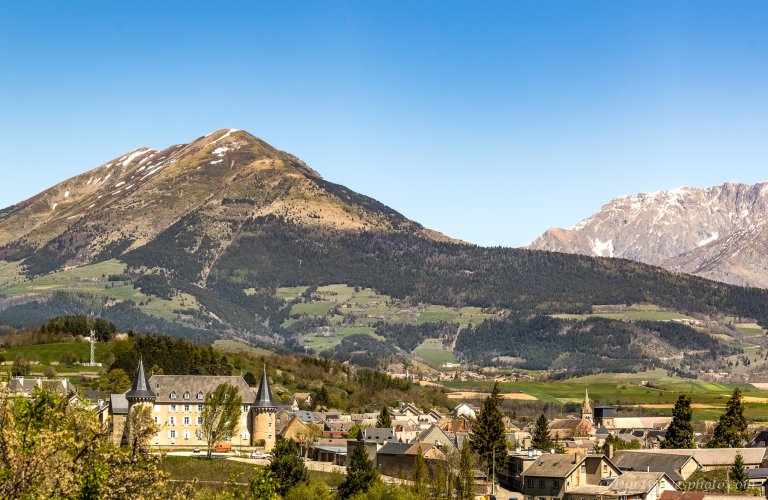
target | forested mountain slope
[{"x": 214, "y": 228}]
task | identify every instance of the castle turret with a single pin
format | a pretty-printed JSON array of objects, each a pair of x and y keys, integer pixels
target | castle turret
[
  {"x": 140, "y": 391},
  {"x": 263, "y": 412}
]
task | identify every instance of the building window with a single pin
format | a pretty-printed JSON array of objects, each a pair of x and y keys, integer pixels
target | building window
[
  {"x": 542, "y": 483},
  {"x": 245, "y": 434},
  {"x": 186, "y": 395},
  {"x": 186, "y": 435},
  {"x": 245, "y": 409},
  {"x": 199, "y": 434},
  {"x": 186, "y": 420},
  {"x": 157, "y": 420},
  {"x": 269, "y": 437},
  {"x": 199, "y": 395},
  {"x": 187, "y": 409},
  {"x": 663, "y": 484},
  {"x": 270, "y": 425},
  {"x": 605, "y": 468},
  {"x": 583, "y": 469},
  {"x": 173, "y": 395},
  {"x": 530, "y": 483},
  {"x": 157, "y": 408},
  {"x": 270, "y": 416},
  {"x": 171, "y": 420},
  {"x": 555, "y": 483},
  {"x": 199, "y": 408},
  {"x": 172, "y": 408},
  {"x": 199, "y": 420},
  {"x": 172, "y": 434}
]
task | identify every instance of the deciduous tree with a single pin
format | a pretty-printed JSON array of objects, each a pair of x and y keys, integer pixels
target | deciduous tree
[{"x": 221, "y": 415}]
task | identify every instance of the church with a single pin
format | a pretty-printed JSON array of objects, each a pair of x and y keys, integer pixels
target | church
[{"x": 177, "y": 403}]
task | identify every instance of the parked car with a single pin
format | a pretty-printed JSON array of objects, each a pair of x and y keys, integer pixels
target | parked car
[
  {"x": 257, "y": 455},
  {"x": 196, "y": 450}
]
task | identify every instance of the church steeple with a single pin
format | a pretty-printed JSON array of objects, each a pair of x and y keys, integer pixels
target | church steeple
[
  {"x": 586, "y": 408},
  {"x": 140, "y": 390}
]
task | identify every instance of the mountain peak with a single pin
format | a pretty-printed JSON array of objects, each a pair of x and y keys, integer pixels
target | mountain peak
[{"x": 228, "y": 175}]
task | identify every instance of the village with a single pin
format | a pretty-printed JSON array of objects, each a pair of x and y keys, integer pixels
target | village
[{"x": 587, "y": 457}]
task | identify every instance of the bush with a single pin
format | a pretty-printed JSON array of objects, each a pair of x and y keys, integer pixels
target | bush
[
  {"x": 50, "y": 372},
  {"x": 261, "y": 442},
  {"x": 68, "y": 358}
]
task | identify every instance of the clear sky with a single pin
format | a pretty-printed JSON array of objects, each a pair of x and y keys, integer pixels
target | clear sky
[{"x": 488, "y": 121}]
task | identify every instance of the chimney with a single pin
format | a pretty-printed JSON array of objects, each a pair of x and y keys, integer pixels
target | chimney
[
  {"x": 610, "y": 452},
  {"x": 647, "y": 468},
  {"x": 577, "y": 458}
]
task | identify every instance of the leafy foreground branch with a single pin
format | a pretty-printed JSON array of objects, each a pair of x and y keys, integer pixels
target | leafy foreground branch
[{"x": 53, "y": 448}]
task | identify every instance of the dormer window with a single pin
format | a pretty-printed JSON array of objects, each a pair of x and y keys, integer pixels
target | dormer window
[
  {"x": 186, "y": 395},
  {"x": 173, "y": 395},
  {"x": 199, "y": 395}
]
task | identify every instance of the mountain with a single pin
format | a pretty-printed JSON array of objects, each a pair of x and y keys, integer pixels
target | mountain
[
  {"x": 677, "y": 229},
  {"x": 224, "y": 176},
  {"x": 740, "y": 258},
  {"x": 229, "y": 237}
]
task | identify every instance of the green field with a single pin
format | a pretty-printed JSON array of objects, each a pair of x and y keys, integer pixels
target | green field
[
  {"x": 432, "y": 350},
  {"x": 52, "y": 352},
  {"x": 671, "y": 388},
  {"x": 322, "y": 343},
  {"x": 235, "y": 346},
  {"x": 313, "y": 308}
]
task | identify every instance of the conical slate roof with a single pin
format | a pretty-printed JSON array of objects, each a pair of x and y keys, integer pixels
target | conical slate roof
[
  {"x": 140, "y": 387},
  {"x": 264, "y": 396}
]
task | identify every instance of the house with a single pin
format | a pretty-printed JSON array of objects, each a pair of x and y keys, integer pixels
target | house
[
  {"x": 398, "y": 459},
  {"x": 518, "y": 462},
  {"x": 719, "y": 458},
  {"x": 460, "y": 425},
  {"x": 376, "y": 434},
  {"x": 299, "y": 432},
  {"x": 628, "y": 486},
  {"x": 26, "y": 386},
  {"x": 337, "y": 428},
  {"x": 567, "y": 427},
  {"x": 464, "y": 409},
  {"x": 759, "y": 479},
  {"x": 434, "y": 435},
  {"x": 410, "y": 410},
  {"x": 703, "y": 495},
  {"x": 303, "y": 398},
  {"x": 678, "y": 467},
  {"x": 551, "y": 476},
  {"x": 759, "y": 441}
]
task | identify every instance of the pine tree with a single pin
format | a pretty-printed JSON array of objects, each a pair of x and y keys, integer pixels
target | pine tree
[
  {"x": 680, "y": 432},
  {"x": 385, "y": 420},
  {"x": 420, "y": 477},
  {"x": 540, "y": 439},
  {"x": 731, "y": 431},
  {"x": 438, "y": 485},
  {"x": 286, "y": 466},
  {"x": 361, "y": 474},
  {"x": 465, "y": 481},
  {"x": 488, "y": 437},
  {"x": 738, "y": 476}
]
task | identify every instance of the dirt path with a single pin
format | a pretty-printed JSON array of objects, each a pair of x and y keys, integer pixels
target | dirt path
[{"x": 763, "y": 386}]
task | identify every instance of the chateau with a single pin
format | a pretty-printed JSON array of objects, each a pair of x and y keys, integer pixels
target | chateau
[{"x": 177, "y": 403}]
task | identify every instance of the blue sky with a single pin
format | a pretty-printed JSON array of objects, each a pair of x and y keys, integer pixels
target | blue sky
[{"x": 488, "y": 121}]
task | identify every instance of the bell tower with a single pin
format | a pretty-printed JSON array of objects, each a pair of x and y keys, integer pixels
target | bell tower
[{"x": 263, "y": 412}]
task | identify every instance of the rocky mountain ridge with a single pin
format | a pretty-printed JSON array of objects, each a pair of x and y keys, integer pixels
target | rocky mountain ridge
[
  {"x": 692, "y": 230},
  {"x": 228, "y": 175}
]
